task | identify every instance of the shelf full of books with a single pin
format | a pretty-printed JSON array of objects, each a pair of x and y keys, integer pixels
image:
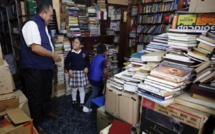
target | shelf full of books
[{"x": 154, "y": 17}]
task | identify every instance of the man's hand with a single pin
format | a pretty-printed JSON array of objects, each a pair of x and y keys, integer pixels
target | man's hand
[
  {"x": 56, "y": 57},
  {"x": 70, "y": 73}
]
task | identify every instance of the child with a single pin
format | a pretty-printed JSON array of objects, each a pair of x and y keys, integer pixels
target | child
[
  {"x": 77, "y": 64},
  {"x": 98, "y": 70}
]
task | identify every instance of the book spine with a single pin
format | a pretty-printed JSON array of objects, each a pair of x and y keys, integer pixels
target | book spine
[{"x": 174, "y": 21}]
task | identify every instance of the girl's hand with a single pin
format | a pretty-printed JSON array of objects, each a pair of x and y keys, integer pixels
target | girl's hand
[
  {"x": 70, "y": 73},
  {"x": 86, "y": 70}
]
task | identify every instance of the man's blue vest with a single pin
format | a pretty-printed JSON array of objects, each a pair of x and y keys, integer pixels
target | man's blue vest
[
  {"x": 30, "y": 59},
  {"x": 96, "y": 70}
]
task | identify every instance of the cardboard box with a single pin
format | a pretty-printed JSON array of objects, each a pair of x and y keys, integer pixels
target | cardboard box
[
  {"x": 122, "y": 105},
  {"x": 103, "y": 120},
  {"x": 105, "y": 130},
  {"x": 1, "y": 56},
  {"x": 6, "y": 80},
  {"x": 202, "y": 6},
  {"x": 23, "y": 102},
  {"x": 172, "y": 119},
  {"x": 20, "y": 123},
  {"x": 9, "y": 103}
]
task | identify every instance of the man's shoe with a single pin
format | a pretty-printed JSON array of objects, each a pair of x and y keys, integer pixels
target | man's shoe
[
  {"x": 86, "y": 109},
  {"x": 40, "y": 130},
  {"x": 52, "y": 115}
]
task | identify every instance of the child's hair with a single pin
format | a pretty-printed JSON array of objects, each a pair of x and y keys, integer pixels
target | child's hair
[
  {"x": 80, "y": 40},
  {"x": 101, "y": 48}
]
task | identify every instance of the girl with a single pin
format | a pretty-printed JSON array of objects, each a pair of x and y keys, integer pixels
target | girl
[{"x": 77, "y": 64}]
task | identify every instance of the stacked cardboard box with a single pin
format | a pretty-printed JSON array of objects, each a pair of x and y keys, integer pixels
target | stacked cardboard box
[
  {"x": 103, "y": 120},
  {"x": 172, "y": 119},
  {"x": 16, "y": 121},
  {"x": 122, "y": 105}
]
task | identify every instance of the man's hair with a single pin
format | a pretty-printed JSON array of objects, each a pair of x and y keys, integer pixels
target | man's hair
[
  {"x": 101, "y": 48},
  {"x": 43, "y": 7}
]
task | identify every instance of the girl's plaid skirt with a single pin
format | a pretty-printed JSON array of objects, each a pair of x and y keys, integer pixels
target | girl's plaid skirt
[{"x": 79, "y": 79}]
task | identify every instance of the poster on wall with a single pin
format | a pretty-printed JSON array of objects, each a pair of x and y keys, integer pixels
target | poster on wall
[{"x": 196, "y": 21}]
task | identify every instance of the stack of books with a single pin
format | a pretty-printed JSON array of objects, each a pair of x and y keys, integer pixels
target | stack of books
[
  {"x": 101, "y": 10},
  {"x": 93, "y": 22},
  {"x": 158, "y": 43},
  {"x": 31, "y": 7},
  {"x": 68, "y": 88},
  {"x": 59, "y": 83},
  {"x": 112, "y": 61},
  {"x": 83, "y": 20},
  {"x": 70, "y": 18},
  {"x": 203, "y": 87},
  {"x": 66, "y": 5},
  {"x": 102, "y": 5},
  {"x": 66, "y": 46},
  {"x": 164, "y": 81}
]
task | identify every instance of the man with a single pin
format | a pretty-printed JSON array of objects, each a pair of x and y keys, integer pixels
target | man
[{"x": 37, "y": 59}]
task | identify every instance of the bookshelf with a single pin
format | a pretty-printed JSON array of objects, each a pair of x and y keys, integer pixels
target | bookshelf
[
  {"x": 154, "y": 17},
  {"x": 18, "y": 11},
  {"x": 4, "y": 32},
  {"x": 118, "y": 26}
]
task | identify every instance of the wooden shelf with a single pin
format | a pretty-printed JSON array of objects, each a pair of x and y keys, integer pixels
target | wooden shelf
[
  {"x": 153, "y": 23},
  {"x": 142, "y": 42},
  {"x": 157, "y": 12},
  {"x": 150, "y": 33}
]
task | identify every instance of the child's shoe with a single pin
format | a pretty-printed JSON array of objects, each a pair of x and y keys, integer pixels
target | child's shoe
[
  {"x": 80, "y": 107},
  {"x": 74, "y": 104},
  {"x": 86, "y": 109}
]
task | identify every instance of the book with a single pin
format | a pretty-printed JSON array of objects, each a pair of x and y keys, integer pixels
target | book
[
  {"x": 174, "y": 84},
  {"x": 205, "y": 47},
  {"x": 177, "y": 57},
  {"x": 155, "y": 95},
  {"x": 203, "y": 74},
  {"x": 211, "y": 35},
  {"x": 208, "y": 78},
  {"x": 155, "y": 90},
  {"x": 155, "y": 85},
  {"x": 130, "y": 86},
  {"x": 187, "y": 100},
  {"x": 202, "y": 50},
  {"x": 203, "y": 66},
  {"x": 207, "y": 39},
  {"x": 153, "y": 56},
  {"x": 197, "y": 54},
  {"x": 201, "y": 97},
  {"x": 206, "y": 42},
  {"x": 119, "y": 127},
  {"x": 204, "y": 91},
  {"x": 170, "y": 73}
]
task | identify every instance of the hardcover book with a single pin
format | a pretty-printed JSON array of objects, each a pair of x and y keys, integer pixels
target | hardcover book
[{"x": 170, "y": 73}]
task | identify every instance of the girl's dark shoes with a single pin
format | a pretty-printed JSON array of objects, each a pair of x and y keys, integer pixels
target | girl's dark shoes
[
  {"x": 74, "y": 104},
  {"x": 80, "y": 107}
]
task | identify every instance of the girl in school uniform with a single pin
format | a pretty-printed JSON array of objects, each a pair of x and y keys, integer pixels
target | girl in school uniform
[{"x": 77, "y": 66}]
